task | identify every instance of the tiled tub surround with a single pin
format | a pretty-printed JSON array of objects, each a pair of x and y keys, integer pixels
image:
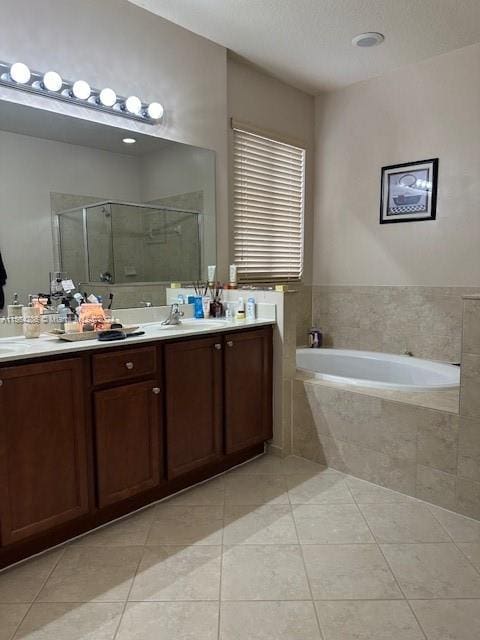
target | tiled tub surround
[
  {"x": 403, "y": 447},
  {"x": 469, "y": 437},
  {"x": 278, "y": 549},
  {"x": 433, "y": 454},
  {"x": 424, "y": 320}
]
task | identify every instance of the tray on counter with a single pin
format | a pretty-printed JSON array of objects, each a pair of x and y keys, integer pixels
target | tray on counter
[{"x": 86, "y": 335}]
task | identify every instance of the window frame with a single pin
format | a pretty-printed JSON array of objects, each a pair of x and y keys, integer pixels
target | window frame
[{"x": 270, "y": 137}]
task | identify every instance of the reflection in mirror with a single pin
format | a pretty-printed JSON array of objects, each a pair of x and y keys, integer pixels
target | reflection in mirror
[
  {"x": 115, "y": 218},
  {"x": 120, "y": 243}
]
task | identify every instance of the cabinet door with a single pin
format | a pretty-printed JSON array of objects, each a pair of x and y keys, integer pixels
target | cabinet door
[
  {"x": 43, "y": 460},
  {"x": 194, "y": 408},
  {"x": 128, "y": 442},
  {"x": 248, "y": 389}
]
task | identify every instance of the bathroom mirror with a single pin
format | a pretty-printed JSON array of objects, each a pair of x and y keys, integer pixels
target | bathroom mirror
[{"x": 115, "y": 216}]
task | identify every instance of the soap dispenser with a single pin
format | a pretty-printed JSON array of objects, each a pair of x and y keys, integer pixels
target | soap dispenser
[
  {"x": 14, "y": 315},
  {"x": 14, "y": 310}
]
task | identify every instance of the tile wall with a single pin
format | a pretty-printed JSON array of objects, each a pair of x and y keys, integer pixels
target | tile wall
[
  {"x": 469, "y": 428},
  {"x": 426, "y": 321}
]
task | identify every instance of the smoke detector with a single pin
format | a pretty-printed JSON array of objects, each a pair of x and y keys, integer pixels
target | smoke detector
[{"x": 368, "y": 39}]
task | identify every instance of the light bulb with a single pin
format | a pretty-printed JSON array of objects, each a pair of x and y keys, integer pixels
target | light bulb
[
  {"x": 128, "y": 140},
  {"x": 107, "y": 97},
  {"x": 81, "y": 89},
  {"x": 20, "y": 73},
  {"x": 133, "y": 105},
  {"x": 52, "y": 81},
  {"x": 155, "y": 110}
]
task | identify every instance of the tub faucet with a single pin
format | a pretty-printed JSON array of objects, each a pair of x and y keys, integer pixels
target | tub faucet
[{"x": 175, "y": 315}]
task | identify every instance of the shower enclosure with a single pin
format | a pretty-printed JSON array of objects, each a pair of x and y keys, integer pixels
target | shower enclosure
[{"x": 122, "y": 242}]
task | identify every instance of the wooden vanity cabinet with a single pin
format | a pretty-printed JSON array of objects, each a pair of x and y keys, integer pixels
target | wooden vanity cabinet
[
  {"x": 129, "y": 455},
  {"x": 218, "y": 397},
  {"x": 89, "y": 438},
  {"x": 43, "y": 447},
  {"x": 248, "y": 388},
  {"x": 194, "y": 403}
]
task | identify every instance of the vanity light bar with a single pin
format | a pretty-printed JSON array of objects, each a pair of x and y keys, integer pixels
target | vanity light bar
[{"x": 52, "y": 85}]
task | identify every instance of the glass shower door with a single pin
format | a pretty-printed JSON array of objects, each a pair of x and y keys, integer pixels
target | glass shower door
[
  {"x": 98, "y": 230},
  {"x": 73, "y": 259}
]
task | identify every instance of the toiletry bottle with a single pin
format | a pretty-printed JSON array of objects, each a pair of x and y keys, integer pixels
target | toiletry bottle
[
  {"x": 14, "y": 310},
  {"x": 198, "y": 307},
  {"x": 233, "y": 276},
  {"x": 206, "y": 306},
  {"x": 211, "y": 274},
  {"x": 251, "y": 309},
  {"x": 14, "y": 315},
  {"x": 240, "y": 315},
  {"x": 62, "y": 313},
  {"x": 315, "y": 338}
]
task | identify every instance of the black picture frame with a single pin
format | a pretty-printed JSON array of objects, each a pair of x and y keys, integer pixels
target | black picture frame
[{"x": 402, "y": 200}]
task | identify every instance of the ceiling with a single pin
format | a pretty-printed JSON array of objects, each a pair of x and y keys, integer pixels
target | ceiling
[{"x": 307, "y": 43}]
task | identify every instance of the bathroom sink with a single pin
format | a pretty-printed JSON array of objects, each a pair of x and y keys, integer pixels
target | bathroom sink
[
  {"x": 191, "y": 325},
  {"x": 11, "y": 348}
]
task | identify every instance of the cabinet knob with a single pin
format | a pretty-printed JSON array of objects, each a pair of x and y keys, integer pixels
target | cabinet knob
[
  {"x": 156, "y": 390},
  {"x": 1, "y": 383},
  {"x": 129, "y": 365},
  {"x": 218, "y": 346},
  {"x": 229, "y": 343}
]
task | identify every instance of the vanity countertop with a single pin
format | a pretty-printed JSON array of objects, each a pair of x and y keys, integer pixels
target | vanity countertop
[{"x": 20, "y": 348}]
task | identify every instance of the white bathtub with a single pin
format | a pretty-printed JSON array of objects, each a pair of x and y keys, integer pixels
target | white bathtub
[{"x": 380, "y": 370}]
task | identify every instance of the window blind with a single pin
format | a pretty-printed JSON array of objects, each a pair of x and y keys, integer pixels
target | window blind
[{"x": 268, "y": 208}]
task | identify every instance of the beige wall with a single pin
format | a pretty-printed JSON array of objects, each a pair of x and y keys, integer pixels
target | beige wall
[
  {"x": 267, "y": 103},
  {"x": 113, "y": 43},
  {"x": 431, "y": 109}
]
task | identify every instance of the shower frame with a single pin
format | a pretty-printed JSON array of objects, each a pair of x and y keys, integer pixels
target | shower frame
[{"x": 103, "y": 203}]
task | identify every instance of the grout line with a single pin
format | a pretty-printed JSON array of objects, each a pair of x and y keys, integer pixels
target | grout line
[
  {"x": 454, "y": 513},
  {"x": 477, "y": 569},
  {"x": 390, "y": 568},
  {"x": 117, "y": 602},
  {"x": 317, "y": 618},
  {"x": 128, "y": 594},
  {"x": 456, "y": 544},
  {"x": 222, "y": 547},
  {"x": 30, "y": 605},
  {"x": 62, "y": 553}
]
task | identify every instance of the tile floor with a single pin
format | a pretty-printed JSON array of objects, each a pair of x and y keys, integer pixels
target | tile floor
[{"x": 274, "y": 550}]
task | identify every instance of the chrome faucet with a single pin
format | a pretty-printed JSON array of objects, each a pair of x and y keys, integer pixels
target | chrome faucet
[{"x": 175, "y": 315}]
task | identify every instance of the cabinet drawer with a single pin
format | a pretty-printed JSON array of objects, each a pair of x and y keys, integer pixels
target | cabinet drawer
[{"x": 123, "y": 365}]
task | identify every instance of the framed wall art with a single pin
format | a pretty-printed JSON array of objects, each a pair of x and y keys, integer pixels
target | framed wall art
[{"x": 409, "y": 192}]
